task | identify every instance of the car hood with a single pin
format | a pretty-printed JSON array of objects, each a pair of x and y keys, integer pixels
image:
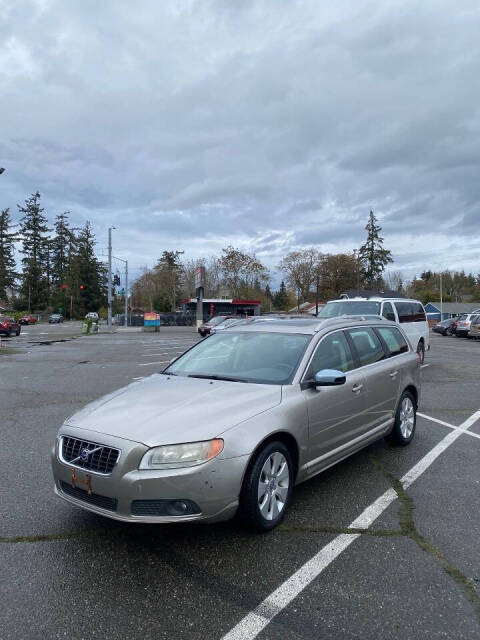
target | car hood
[{"x": 166, "y": 410}]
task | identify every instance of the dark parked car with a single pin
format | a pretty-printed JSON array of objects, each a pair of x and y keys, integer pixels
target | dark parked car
[
  {"x": 28, "y": 319},
  {"x": 55, "y": 318},
  {"x": 446, "y": 327},
  {"x": 9, "y": 326}
]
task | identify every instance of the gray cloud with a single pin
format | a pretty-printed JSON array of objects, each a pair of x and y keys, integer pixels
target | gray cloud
[{"x": 196, "y": 125}]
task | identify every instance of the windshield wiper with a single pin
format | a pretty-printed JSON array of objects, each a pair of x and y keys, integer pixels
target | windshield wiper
[{"x": 207, "y": 376}]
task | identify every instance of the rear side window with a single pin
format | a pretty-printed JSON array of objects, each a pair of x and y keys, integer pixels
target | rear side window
[
  {"x": 367, "y": 345},
  {"x": 410, "y": 312},
  {"x": 333, "y": 352},
  {"x": 388, "y": 311},
  {"x": 394, "y": 340}
]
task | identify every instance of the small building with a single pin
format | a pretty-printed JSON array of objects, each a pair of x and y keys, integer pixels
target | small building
[
  {"x": 223, "y": 307},
  {"x": 307, "y": 307},
  {"x": 449, "y": 309}
]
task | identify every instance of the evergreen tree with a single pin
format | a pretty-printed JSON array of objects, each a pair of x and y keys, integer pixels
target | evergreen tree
[
  {"x": 33, "y": 229},
  {"x": 86, "y": 274},
  {"x": 61, "y": 245},
  {"x": 372, "y": 256},
  {"x": 7, "y": 260},
  {"x": 281, "y": 299}
]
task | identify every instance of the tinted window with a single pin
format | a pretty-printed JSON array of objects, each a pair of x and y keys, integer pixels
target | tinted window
[
  {"x": 333, "y": 352},
  {"x": 368, "y": 346},
  {"x": 394, "y": 340},
  {"x": 388, "y": 311},
  {"x": 350, "y": 308},
  {"x": 410, "y": 312}
]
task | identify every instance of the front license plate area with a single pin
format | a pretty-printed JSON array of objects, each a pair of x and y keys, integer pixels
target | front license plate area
[{"x": 81, "y": 481}]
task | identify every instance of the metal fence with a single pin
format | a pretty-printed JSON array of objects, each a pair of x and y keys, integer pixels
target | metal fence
[{"x": 174, "y": 319}]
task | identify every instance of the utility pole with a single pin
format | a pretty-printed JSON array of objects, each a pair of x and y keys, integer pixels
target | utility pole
[
  {"x": 441, "y": 299},
  {"x": 126, "y": 293},
  {"x": 109, "y": 298}
]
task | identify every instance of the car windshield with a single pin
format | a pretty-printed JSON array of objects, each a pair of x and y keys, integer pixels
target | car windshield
[
  {"x": 259, "y": 357},
  {"x": 350, "y": 308}
]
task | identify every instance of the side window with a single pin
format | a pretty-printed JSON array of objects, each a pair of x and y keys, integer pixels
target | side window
[
  {"x": 367, "y": 344},
  {"x": 405, "y": 311},
  {"x": 394, "y": 340},
  {"x": 333, "y": 352},
  {"x": 418, "y": 312},
  {"x": 388, "y": 311}
]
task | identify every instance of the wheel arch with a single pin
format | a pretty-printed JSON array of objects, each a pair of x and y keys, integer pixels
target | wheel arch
[
  {"x": 288, "y": 440},
  {"x": 414, "y": 391}
]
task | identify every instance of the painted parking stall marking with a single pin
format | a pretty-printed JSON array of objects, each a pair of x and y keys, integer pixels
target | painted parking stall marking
[{"x": 255, "y": 621}]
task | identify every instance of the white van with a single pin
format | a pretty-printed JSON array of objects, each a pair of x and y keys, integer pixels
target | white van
[{"x": 409, "y": 313}]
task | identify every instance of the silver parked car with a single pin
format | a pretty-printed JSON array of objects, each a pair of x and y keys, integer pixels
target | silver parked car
[{"x": 239, "y": 419}]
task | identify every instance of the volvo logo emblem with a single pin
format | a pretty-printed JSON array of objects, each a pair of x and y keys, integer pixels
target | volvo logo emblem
[{"x": 84, "y": 455}]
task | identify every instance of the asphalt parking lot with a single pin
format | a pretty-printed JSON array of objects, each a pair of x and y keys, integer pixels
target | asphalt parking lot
[{"x": 383, "y": 545}]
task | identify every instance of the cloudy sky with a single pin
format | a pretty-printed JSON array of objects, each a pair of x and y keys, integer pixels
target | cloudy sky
[{"x": 266, "y": 124}]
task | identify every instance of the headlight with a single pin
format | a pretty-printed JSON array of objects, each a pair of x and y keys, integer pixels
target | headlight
[{"x": 176, "y": 456}]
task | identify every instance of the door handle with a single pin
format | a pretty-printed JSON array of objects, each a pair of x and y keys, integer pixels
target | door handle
[
  {"x": 393, "y": 374},
  {"x": 357, "y": 388}
]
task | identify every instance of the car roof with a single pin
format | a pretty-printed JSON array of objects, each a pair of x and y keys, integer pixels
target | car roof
[
  {"x": 374, "y": 299},
  {"x": 308, "y": 326}
]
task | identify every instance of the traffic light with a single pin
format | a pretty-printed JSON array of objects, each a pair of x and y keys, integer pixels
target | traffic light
[
  {"x": 116, "y": 280},
  {"x": 64, "y": 287},
  {"x": 82, "y": 287}
]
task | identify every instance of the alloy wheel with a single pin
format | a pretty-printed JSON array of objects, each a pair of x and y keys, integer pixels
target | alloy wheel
[
  {"x": 407, "y": 417},
  {"x": 273, "y": 485}
]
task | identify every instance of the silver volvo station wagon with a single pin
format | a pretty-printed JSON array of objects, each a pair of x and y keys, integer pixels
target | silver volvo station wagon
[{"x": 239, "y": 419}]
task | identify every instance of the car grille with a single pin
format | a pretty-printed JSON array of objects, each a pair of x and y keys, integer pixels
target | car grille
[
  {"x": 103, "y": 502},
  {"x": 101, "y": 461}
]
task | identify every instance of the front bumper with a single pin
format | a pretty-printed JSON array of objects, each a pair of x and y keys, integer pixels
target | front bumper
[{"x": 214, "y": 486}]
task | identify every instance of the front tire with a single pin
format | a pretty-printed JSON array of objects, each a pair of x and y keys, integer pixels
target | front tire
[
  {"x": 267, "y": 487},
  {"x": 405, "y": 420},
  {"x": 421, "y": 352}
]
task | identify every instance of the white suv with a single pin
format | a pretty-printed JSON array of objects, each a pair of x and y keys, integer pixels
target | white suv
[{"x": 410, "y": 314}]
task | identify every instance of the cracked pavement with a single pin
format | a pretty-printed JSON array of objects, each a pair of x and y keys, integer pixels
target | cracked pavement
[{"x": 65, "y": 572}]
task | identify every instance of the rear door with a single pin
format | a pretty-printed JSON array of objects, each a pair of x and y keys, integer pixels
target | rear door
[{"x": 380, "y": 375}]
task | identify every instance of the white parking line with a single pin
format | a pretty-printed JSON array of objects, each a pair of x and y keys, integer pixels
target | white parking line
[
  {"x": 255, "y": 621},
  {"x": 447, "y": 424},
  {"x": 146, "y": 364},
  {"x": 425, "y": 365}
]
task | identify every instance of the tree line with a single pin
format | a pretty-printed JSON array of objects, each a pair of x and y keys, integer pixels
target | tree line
[
  {"x": 59, "y": 269},
  {"x": 308, "y": 274}
]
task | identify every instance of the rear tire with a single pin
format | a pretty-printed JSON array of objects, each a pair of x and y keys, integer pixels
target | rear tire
[
  {"x": 18, "y": 333},
  {"x": 267, "y": 487},
  {"x": 405, "y": 420}
]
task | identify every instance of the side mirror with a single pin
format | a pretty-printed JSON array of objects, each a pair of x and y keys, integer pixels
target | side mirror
[
  {"x": 390, "y": 316},
  {"x": 324, "y": 378},
  {"x": 329, "y": 378}
]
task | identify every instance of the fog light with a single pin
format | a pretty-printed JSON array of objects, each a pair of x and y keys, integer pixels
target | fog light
[
  {"x": 178, "y": 508},
  {"x": 164, "y": 508}
]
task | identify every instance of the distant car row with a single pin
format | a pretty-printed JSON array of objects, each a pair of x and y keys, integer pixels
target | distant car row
[
  {"x": 465, "y": 326},
  {"x": 410, "y": 314}
]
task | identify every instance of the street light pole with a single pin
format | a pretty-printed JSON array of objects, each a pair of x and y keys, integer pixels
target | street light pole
[
  {"x": 109, "y": 298},
  {"x": 126, "y": 293}
]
